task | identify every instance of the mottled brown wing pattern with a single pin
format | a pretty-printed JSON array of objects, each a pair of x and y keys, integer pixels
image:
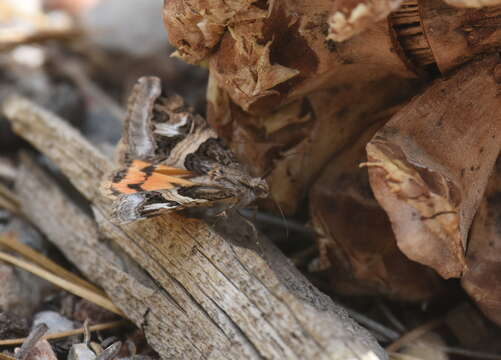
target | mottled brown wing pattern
[{"x": 171, "y": 159}]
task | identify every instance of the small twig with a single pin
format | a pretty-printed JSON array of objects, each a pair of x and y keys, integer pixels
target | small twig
[
  {"x": 75, "y": 289},
  {"x": 6, "y": 357},
  {"x": 414, "y": 334},
  {"x": 392, "y": 318},
  {"x": 63, "y": 334},
  {"x": 373, "y": 325},
  {"x": 9, "y": 240},
  {"x": 30, "y": 342},
  {"x": 86, "y": 339},
  {"x": 110, "y": 352}
]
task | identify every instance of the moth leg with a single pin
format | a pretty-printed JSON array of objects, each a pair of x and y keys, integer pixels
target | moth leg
[{"x": 255, "y": 232}]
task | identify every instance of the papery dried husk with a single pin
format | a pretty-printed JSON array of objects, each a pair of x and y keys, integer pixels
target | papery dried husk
[
  {"x": 482, "y": 281},
  {"x": 357, "y": 245},
  {"x": 292, "y": 144},
  {"x": 351, "y": 17},
  {"x": 272, "y": 53},
  {"x": 430, "y": 163}
]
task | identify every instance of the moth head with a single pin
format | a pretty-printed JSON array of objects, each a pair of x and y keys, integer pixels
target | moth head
[{"x": 260, "y": 187}]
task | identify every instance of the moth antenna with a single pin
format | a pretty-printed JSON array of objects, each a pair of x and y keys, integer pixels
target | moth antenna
[{"x": 283, "y": 216}]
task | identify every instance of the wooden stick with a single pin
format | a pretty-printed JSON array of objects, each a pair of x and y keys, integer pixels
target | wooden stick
[{"x": 220, "y": 296}]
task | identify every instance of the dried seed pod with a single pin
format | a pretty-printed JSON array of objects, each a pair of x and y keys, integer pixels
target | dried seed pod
[
  {"x": 357, "y": 245},
  {"x": 292, "y": 144},
  {"x": 430, "y": 164},
  {"x": 351, "y": 17},
  {"x": 482, "y": 281}
]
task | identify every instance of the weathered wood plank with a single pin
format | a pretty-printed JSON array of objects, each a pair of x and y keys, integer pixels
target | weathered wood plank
[{"x": 229, "y": 297}]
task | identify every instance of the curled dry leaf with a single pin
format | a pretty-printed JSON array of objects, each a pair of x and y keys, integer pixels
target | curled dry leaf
[
  {"x": 195, "y": 27},
  {"x": 430, "y": 164},
  {"x": 351, "y": 17},
  {"x": 289, "y": 145},
  {"x": 357, "y": 245},
  {"x": 271, "y": 53},
  {"x": 482, "y": 281}
]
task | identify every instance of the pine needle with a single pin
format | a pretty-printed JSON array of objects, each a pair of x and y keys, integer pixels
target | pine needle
[
  {"x": 71, "y": 287},
  {"x": 63, "y": 334},
  {"x": 9, "y": 240},
  {"x": 8, "y": 200}
]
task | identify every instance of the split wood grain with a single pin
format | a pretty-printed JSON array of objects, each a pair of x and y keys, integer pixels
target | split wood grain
[{"x": 214, "y": 294}]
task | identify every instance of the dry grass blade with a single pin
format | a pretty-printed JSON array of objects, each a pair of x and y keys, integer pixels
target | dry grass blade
[
  {"x": 414, "y": 334},
  {"x": 97, "y": 327},
  {"x": 75, "y": 289},
  {"x": 9, "y": 240},
  {"x": 8, "y": 200}
]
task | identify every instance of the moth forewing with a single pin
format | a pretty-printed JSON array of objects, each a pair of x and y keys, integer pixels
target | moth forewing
[{"x": 171, "y": 159}]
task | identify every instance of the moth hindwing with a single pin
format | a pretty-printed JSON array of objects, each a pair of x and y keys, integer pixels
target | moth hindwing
[{"x": 171, "y": 159}]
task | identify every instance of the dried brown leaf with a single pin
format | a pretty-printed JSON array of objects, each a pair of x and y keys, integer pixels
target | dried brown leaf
[
  {"x": 482, "y": 281},
  {"x": 430, "y": 164},
  {"x": 357, "y": 243}
]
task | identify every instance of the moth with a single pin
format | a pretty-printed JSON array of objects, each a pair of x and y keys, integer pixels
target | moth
[{"x": 171, "y": 159}]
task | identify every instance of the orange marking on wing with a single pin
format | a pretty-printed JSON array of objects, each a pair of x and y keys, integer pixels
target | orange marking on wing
[
  {"x": 151, "y": 181},
  {"x": 158, "y": 181},
  {"x": 164, "y": 169}
]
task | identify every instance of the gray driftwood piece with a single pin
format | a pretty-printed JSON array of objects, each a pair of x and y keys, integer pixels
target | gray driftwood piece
[{"x": 217, "y": 295}]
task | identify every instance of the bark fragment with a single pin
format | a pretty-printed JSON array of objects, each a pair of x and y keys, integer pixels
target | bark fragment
[{"x": 430, "y": 164}]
